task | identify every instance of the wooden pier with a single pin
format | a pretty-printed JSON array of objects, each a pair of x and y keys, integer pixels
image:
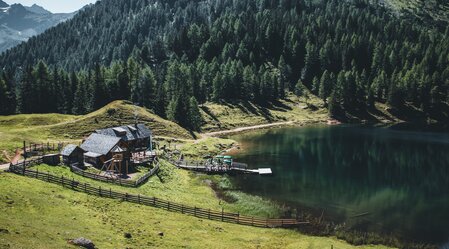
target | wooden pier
[
  {"x": 222, "y": 169},
  {"x": 216, "y": 165}
]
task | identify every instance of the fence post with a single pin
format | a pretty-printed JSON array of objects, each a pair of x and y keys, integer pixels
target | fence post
[
  {"x": 154, "y": 201},
  {"x": 85, "y": 187},
  {"x": 99, "y": 191},
  {"x": 182, "y": 209},
  {"x": 238, "y": 218},
  {"x": 252, "y": 221},
  {"x": 62, "y": 181},
  {"x": 110, "y": 193},
  {"x": 168, "y": 206},
  {"x": 209, "y": 214},
  {"x": 48, "y": 177},
  {"x": 126, "y": 196},
  {"x": 138, "y": 198},
  {"x": 194, "y": 212},
  {"x": 222, "y": 212},
  {"x": 37, "y": 173}
]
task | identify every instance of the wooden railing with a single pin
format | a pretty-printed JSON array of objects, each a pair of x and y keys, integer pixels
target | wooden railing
[
  {"x": 78, "y": 171},
  {"x": 156, "y": 202},
  {"x": 40, "y": 148}
]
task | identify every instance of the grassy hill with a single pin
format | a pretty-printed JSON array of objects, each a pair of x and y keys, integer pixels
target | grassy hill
[
  {"x": 36, "y": 214},
  {"x": 40, "y": 128}
]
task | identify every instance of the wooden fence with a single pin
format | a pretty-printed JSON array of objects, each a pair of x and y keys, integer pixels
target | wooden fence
[
  {"x": 118, "y": 181},
  {"x": 156, "y": 202},
  {"x": 40, "y": 148},
  {"x": 78, "y": 171}
]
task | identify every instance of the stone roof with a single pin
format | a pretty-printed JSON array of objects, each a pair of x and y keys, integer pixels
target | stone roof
[
  {"x": 69, "y": 149},
  {"x": 100, "y": 144},
  {"x": 127, "y": 132}
]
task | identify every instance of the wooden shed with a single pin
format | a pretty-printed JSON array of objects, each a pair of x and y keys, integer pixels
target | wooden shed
[
  {"x": 72, "y": 154},
  {"x": 51, "y": 159}
]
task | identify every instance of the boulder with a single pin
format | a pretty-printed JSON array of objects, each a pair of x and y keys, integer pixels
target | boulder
[
  {"x": 128, "y": 235},
  {"x": 83, "y": 242}
]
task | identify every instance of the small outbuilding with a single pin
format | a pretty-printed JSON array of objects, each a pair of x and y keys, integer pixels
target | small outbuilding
[
  {"x": 51, "y": 159},
  {"x": 72, "y": 154}
]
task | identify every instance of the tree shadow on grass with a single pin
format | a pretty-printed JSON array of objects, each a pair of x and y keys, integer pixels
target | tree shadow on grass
[
  {"x": 209, "y": 113},
  {"x": 408, "y": 113}
]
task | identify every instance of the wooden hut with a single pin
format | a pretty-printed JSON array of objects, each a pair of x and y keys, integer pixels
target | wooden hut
[
  {"x": 72, "y": 154},
  {"x": 101, "y": 148},
  {"x": 137, "y": 137}
]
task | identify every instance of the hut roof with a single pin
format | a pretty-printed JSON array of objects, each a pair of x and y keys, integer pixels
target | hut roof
[
  {"x": 127, "y": 132},
  {"x": 100, "y": 144},
  {"x": 92, "y": 154},
  {"x": 69, "y": 149}
]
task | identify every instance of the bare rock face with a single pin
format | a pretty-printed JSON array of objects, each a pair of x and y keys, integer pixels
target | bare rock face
[{"x": 82, "y": 242}]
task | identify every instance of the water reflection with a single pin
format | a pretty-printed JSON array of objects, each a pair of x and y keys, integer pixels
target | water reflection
[{"x": 376, "y": 179}]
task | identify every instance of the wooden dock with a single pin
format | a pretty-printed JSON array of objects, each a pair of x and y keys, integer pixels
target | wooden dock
[{"x": 222, "y": 170}]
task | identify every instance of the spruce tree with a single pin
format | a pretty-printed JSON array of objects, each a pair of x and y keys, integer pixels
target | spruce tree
[{"x": 194, "y": 115}]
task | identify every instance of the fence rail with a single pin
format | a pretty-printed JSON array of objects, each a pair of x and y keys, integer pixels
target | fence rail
[
  {"x": 40, "y": 148},
  {"x": 78, "y": 171},
  {"x": 222, "y": 216}
]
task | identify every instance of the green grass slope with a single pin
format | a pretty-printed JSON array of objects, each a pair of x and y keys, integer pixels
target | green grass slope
[
  {"x": 115, "y": 114},
  {"x": 225, "y": 116},
  {"x": 37, "y": 215},
  {"x": 40, "y": 128},
  {"x": 436, "y": 10}
]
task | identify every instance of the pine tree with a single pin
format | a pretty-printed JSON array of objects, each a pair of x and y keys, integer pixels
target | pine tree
[
  {"x": 146, "y": 87},
  {"x": 27, "y": 96},
  {"x": 80, "y": 98},
  {"x": 194, "y": 115},
  {"x": 3, "y": 104},
  {"x": 43, "y": 88},
  {"x": 325, "y": 85},
  {"x": 395, "y": 97},
  {"x": 300, "y": 89},
  {"x": 100, "y": 96}
]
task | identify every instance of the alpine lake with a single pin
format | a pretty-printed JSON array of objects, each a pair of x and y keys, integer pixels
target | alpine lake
[{"x": 383, "y": 179}]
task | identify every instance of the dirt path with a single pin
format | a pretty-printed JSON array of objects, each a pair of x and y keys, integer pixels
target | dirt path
[
  {"x": 248, "y": 128},
  {"x": 15, "y": 159}
]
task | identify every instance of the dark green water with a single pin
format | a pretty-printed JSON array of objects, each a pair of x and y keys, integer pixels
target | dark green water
[{"x": 398, "y": 178}]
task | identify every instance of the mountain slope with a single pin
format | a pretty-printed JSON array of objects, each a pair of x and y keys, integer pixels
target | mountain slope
[
  {"x": 351, "y": 54},
  {"x": 426, "y": 10},
  {"x": 18, "y": 23}
]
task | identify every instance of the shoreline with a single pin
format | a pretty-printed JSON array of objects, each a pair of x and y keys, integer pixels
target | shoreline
[{"x": 244, "y": 129}]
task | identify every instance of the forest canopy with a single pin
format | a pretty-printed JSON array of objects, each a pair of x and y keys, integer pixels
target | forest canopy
[{"x": 172, "y": 55}]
